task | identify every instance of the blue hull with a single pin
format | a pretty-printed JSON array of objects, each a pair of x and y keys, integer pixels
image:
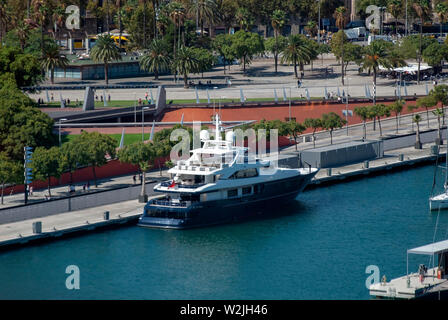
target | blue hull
[{"x": 208, "y": 213}]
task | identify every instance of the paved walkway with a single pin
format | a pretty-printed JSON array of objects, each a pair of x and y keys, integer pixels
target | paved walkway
[{"x": 259, "y": 82}]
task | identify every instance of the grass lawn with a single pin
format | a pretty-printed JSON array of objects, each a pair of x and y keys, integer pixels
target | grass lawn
[{"x": 129, "y": 138}]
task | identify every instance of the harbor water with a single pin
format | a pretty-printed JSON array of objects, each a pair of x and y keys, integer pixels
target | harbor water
[{"x": 315, "y": 248}]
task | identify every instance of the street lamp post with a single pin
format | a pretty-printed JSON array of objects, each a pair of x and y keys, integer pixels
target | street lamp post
[
  {"x": 143, "y": 121},
  {"x": 214, "y": 99},
  {"x": 289, "y": 103},
  {"x": 135, "y": 109},
  {"x": 318, "y": 30},
  {"x": 60, "y": 121}
]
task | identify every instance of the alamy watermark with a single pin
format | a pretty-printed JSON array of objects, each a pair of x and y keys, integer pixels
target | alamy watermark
[{"x": 72, "y": 282}]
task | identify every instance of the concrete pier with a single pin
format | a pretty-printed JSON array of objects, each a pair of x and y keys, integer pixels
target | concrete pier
[{"x": 68, "y": 223}]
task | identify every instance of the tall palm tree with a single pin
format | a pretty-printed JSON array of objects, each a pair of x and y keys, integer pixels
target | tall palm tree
[
  {"x": 340, "y": 15},
  {"x": 442, "y": 12},
  {"x": 206, "y": 11},
  {"x": 395, "y": 7},
  {"x": 422, "y": 9},
  {"x": 278, "y": 20},
  {"x": 438, "y": 113},
  {"x": 105, "y": 51},
  {"x": 441, "y": 94},
  {"x": 41, "y": 10},
  {"x": 375, "y": 55},
  {"x": 185, "y": 63},
  {"x": 143, "y": 2},
  {"x": 156, "y": 58},
  {"x": 53, "y": 59},
  {"x": 177, "y": 13},
  {"x": 297, "y": 51}
]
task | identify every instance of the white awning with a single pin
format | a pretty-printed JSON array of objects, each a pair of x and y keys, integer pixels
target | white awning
[{"x": 431, "y": 249}]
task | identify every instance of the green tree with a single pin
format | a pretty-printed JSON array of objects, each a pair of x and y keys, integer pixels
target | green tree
[
  {"x": 21, "y": 124},
  {"x": 397, "y": 108},
  {"x": 294, "y": 129},
  {"x": 72, "y": 154},
  {"x": 24, "y": 67},
  {"x": 363, "y": 113},
  {"x": 105, "y": 51},
  {"x": 427, "y": 102},
  {"x": 185, "y": 63},
  {"x": 298, "y": 52},
  {"x": 206, "y": 60},
  {"x": 276, "y": 46},
  {"x": 222, "y": 44},
  {"x": 380, "y": 110},
  {"x": 156, "y": 59},
  {"x": 440, "y": 92},
  {"x": 95, "y": 148},
  {"x": 353, "y": 53},
  {"x": 375, "y": 55},
  {"x": 52, "y": 59},
  {"x": 245, "y": 45},
  {"x": 435, "y": 54},
  {"x": 46, "y": 165},
  {"x": 10, "y": 172},
  {"x": 313, "y": 123},
  {"x": 442, "y": 12},
  {"x": 245, "y": 18},
  {"x": 139, "y": 154},
  {"x": 331, "y": 121}
]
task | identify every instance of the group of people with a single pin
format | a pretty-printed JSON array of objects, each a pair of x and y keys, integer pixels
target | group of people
[
  {"x": 134, "y": 178},
  {"x": 85, "y": 186}
]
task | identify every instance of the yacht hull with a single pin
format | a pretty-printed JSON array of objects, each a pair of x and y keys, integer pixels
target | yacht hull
[{"x": 275, "y": 194}]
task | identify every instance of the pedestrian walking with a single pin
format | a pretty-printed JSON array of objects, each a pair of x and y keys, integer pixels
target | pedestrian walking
[
  {"x": 134, "y": 179},
  {"x": 140, "y": 177},
  {"x": 31, "y": 190},
  {"x": 88, "y": 185},
  {"x": 84, "y": 187},
  {"x": 52, "y": 97}
]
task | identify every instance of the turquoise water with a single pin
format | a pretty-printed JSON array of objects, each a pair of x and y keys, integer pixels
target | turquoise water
[{"x": 318, "y": 248}]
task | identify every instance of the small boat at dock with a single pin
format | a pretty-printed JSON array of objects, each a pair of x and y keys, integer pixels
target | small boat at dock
[{"x": 428, "y": 284}]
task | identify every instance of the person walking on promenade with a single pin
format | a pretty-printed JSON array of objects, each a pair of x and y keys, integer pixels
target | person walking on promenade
[
  {"x": 134, "y": 179},
  {"x": 88, "y": 185},
  {"x": 140, "y": 178}
]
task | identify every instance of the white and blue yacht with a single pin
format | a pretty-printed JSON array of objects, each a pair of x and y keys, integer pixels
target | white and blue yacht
[{"x": 221, "y": 183}]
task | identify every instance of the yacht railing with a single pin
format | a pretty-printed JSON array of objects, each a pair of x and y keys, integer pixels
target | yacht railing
[{"x": 168, "y": 203}]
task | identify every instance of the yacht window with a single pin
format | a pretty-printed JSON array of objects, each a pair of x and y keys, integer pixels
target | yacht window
[
  {"x": 247, "y": 190},
  {"x": 232, "y": 193},
  {"x": 247, "y": 173}
]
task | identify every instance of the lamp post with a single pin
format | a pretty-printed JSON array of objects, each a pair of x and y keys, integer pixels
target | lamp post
[
  {"x": 143, "y": 121},
  {"x": 289, "y": 103},
  {"x": 214, "y": 99},
  {"x": 60, "y": 121},
  {"x": 406, "y": 20},
  {"x": 135, "y": 108},
  {"x": 318, "y": 23}
]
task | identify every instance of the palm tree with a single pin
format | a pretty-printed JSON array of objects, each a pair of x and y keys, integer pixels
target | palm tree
[
  {"x": 380, "y": 110},
  {"x": 177, "y": 13},
  {"x": 375, "y": 55},
  {"x": 40, "y": 15},
  {"x": 427, "y": 102},
  {"x": 340, "y": 15},
  {"x": 244, "y": 18},
  {"x": 363, "y": 113},
  {"x": 53, "y": 59},
  {"x": 421, "y": 8},
  {"x": 185, "y": 63},
  {"x": 278, "y": 20},
  {"x": 156, "y": 59},
  {"x": 412, "y": 109},
  {"x": 105, "y": 51},
  {"x": 395, "y": 7},
  {"x": 397, "y": 108},
  {"x": 417, "y": 118},
  {"x": 206, "y": 11},
  {"x": 442, "y": 12},
  {"x": 440, "y": 92},
  {"x": 297, "y": 52},
  {"x": 438, "y": 113}
]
